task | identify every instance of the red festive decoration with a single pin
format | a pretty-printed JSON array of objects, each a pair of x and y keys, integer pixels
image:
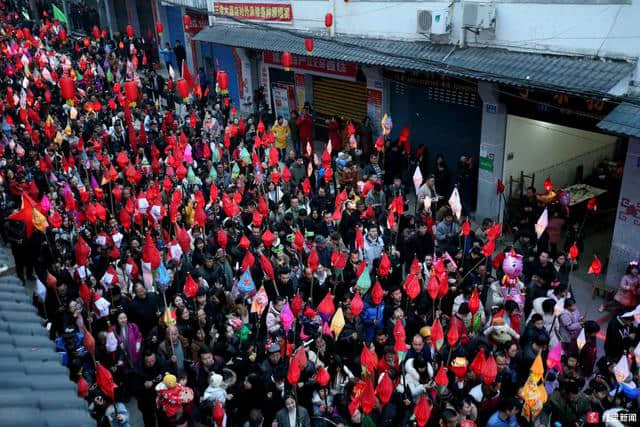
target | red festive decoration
[
  {"x": 67, "y": 87},
  {"x": 437, "y": 334},
  {"x": 385, "y": 265},
  {"x": 411, "y": 286},
  {"x": 322, "y": 377},
  {"x": 452, "y": 335},
  {"x": 130, "y": 31},
  {"x": 478, "y": 363},
  {"x": 131, "y": 91},
  {"x": 326, "y": 306},
  {"x": 357, "y": 305},
  {"x": 190, "y": 286},
  {"x": 183, "y": 88},
  {"x": 328, "y": 21},
  {"x": 159, "y": 28},
  {"x": 377, "y": 293},
  {"x": 105, "y": 381},
  {"x": 592, "y": 204},
  {"x": 548, "y": 185},
  {"x": 573, "y": 252},
  {"x": 293, "y": 375},
  {"x": 384, "y": 390},
  {"x": 489, "y": 370},
  {"x": 441, "y": 378},
  {"x": 595, "y": 267},
  {"x": 433, "y": 286},
  {"x": 223, "y": 82},
  {"x": 186, "y": 20},
  {"x": 500, "y": 187},
  {"x": 296, "y": 304},
  {"x": 308, "y": 45},
  {"x": 474, "y": 301},
  {"x": 286, "y": 60},
  {"x": 422, "y": 411}
]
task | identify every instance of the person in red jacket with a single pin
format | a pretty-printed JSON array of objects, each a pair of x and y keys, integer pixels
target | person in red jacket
[{"x": 305, "y": 131}]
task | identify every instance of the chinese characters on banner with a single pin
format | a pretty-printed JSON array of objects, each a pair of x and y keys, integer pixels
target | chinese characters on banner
[
  {"x": 278, "y": 12},
  {"x": 320, "y": 66},
  {"x": 198, "y": 22}
]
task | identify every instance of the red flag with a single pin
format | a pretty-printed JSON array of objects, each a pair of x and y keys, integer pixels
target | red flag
[
  {"x": 478, "y": 363},
  {"x": 474, "y": 301},
  {"x": 441, "y": 377},
  {"x": 368, "y": 397},
  {"x": 466, "y": 228},
  {"x": 384, "y": 390},
  {"x": 88, "y": 342},
  {"x": 296, "y": 304},
  {"x": 596, "y": 266},
  {"x": 190, "y": 286},
  {"x": 573, "y": 252},
  {"x": 453, "y": 335},
  {"x": 368, "y": 361},
  {"x": 313, "y": 260},
  {"x": 293, "y": 375},
  {"x": 356, "y": 305},
  {"x": 244, "y": 242},
  {"x": 248, "y": 261},
  {"x": 488, "y": 248},
  {"x": 385, "y": 265},
  {"x": 391, "y": 220},
  {"x": 489, "y": 370},
  {"x": 218, "y": 413},
  {"x": 286, "y": 174},
  {"x": 422, "y": 411},
  {"x": 298, "y": 241},
  {"x": 338, "y": 260},
  {"x": 266, "y": 266},
  {"x": 105, "y": 381},
  {"x": 494, "y": 232},
  {"x": 322, "y": 377},
  {"x": 150, "y": 252},
  {"x": 326, "y": 306},
  {"x": 377, "y": 293},
  {"x": 359, "y": 239},
  {"x": 411, "y": 286},
  {"x": 82, "y": 251},
  {"x": 187, "y": 75},
  {"x": 268, "y": 238}
]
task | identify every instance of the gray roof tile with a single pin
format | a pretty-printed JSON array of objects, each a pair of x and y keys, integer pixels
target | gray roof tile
[
  {"x": 624, "y": 120},
  {"x": 570, "y": 74}
]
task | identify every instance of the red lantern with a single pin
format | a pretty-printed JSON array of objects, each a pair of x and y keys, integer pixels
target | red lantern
[
  {"x": 308, "y": 44},
  {"x": 159, "y": 28},
  {"x": 186, "y": 20},
  {"x": 86, "y": 42},
  {"x": 62, "y": 35},
  {"x": 548, "y": 185},
  {"x": 95, "y": 32},
  {"x": 116, "y": 87},
  {"x": 328, "y": 21},
  {"x": 130, "y": 31},
  {"x": 223, "y": 82},
  {"x": 286, "y": 60},
  {"x": 67, "y": 88},
  {"x": 104, "y": 33},
  {"x": 183, "y": 88},
  {"x": 131, "y": 91}
]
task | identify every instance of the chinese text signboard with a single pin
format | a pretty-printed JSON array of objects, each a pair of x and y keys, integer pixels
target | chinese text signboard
[
  {"x": 276, "y": 12},
  {"x": 198, "y": 22},
  {"x": 314, "y": 64}
]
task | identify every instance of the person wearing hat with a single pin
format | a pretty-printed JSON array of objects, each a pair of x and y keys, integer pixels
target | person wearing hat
[
  {"x": 273, "y": 363},
  {"x": 621, "y": 334}
]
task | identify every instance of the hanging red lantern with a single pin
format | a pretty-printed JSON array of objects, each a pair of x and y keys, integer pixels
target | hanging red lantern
[
  {"x": 131, "y": 91},
  {"x": 183, "y": 88},
  {"x": 308, "y": 45},
  {"x": 223, "y": 82},
  {"x": 186, "y": 20},
  {"x": 159, "y": 28},
  {"x": 67, "y": 88},
  {"x": 286, "y": 60},
  {"x": 328, "y": 21},
  {"x": 130, "y": 31},
  {"x": 95, "y": 32}
]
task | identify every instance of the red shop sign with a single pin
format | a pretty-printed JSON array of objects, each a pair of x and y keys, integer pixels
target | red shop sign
[
  {"x": 277, "y": 12},
  {"x": 315, "y": 64}
]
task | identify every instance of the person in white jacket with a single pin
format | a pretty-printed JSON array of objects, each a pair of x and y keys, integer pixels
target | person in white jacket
[
  {"x": 418, "y": 376},
  {"x": 545, "y": 307},
  {"x": 216, "y": 391}
]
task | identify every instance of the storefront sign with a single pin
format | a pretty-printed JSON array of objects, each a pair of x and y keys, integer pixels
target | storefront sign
[
  {"x": 198, "y": 22},
  {"x": 486, "y": 163},
  {"x": 319, "y": 66},
  {"x": 275, "y": 12},
  {"x": 300, "y": 91},
  {"x": 433, "y": 80}
]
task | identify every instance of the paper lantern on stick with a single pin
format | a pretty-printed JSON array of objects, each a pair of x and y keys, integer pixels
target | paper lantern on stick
[
  {"x": 130, "y": 31},
  {"x": 183, "y": 88},
  {"x": 286, "y": 60},
  {"x": 159, "y": 28},
  {"x": 186, "y": 20},
  {"x": 548, "y": 185},
  {"x": 308, "y": 45},
  {"x": 223, "y": 82}
]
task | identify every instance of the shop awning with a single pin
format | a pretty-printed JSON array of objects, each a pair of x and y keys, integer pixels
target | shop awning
[
  {"x": 552, "y": 72},
  {"x": 623, "y": 120}
]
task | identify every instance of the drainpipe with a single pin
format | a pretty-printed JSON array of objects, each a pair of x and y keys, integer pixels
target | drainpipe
[{"x": 332, "y": 30}]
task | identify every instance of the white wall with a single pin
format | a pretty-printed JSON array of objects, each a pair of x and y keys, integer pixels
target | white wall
[
  {"x": 548, "y": 149},
  {"x": 592, "y": 29}
]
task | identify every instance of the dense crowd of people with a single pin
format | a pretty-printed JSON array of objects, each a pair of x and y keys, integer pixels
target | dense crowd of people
[{"x": 221, "y": 271}]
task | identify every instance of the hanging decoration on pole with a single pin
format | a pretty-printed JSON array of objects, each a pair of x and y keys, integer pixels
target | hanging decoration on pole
[
  {"x": 286, "y": 61},
  {"x": 328, "y": 22},
  {"x": 308, "y": 45}
]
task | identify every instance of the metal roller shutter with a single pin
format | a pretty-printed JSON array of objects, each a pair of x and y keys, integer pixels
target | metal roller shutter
[{"x": 340, "y": 98}]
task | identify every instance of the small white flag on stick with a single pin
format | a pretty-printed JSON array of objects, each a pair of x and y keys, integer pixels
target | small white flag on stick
[
  {"x": 542, "y": 223},
  {"x": 454, "y": 202},
  {"x": 417, "y": 178}
]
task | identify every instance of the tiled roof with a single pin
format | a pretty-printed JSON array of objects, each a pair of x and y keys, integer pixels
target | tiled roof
[
  {"x": 564, "y": 73},
  {"x": 35, "y": 389},
  {"x": 624, "y": 120}
]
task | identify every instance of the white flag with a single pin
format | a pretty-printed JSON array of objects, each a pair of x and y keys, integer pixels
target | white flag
[
  {"x": 101, "y": 241},
  {"x": 102, "y": 305},
  {"x": 156, "y": 212},
  {"x": 454, "y": 203},
  {"x": 542, "y": 223},
  {"x": 147, "y": 276},
  {"x": 117, "y": 239},
  {"x": 143, "y": 205},
  {"x": 582, "y": 339},
  {"x": 621, "y": 370},
  {"x": 112, "y": 342},
  {"x": 172, "y": 73},
  {"x": 176, "y": 251},
  {"x": 417, "y": 178}
]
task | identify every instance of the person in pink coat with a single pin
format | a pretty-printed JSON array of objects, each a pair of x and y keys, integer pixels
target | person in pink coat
[{"x": 129, "y": 338}]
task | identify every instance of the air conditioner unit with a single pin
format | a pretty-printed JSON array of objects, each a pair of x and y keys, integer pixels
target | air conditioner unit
[
  {"x": 433, "y": 22},
  {"x": 480, "y": 16}
]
